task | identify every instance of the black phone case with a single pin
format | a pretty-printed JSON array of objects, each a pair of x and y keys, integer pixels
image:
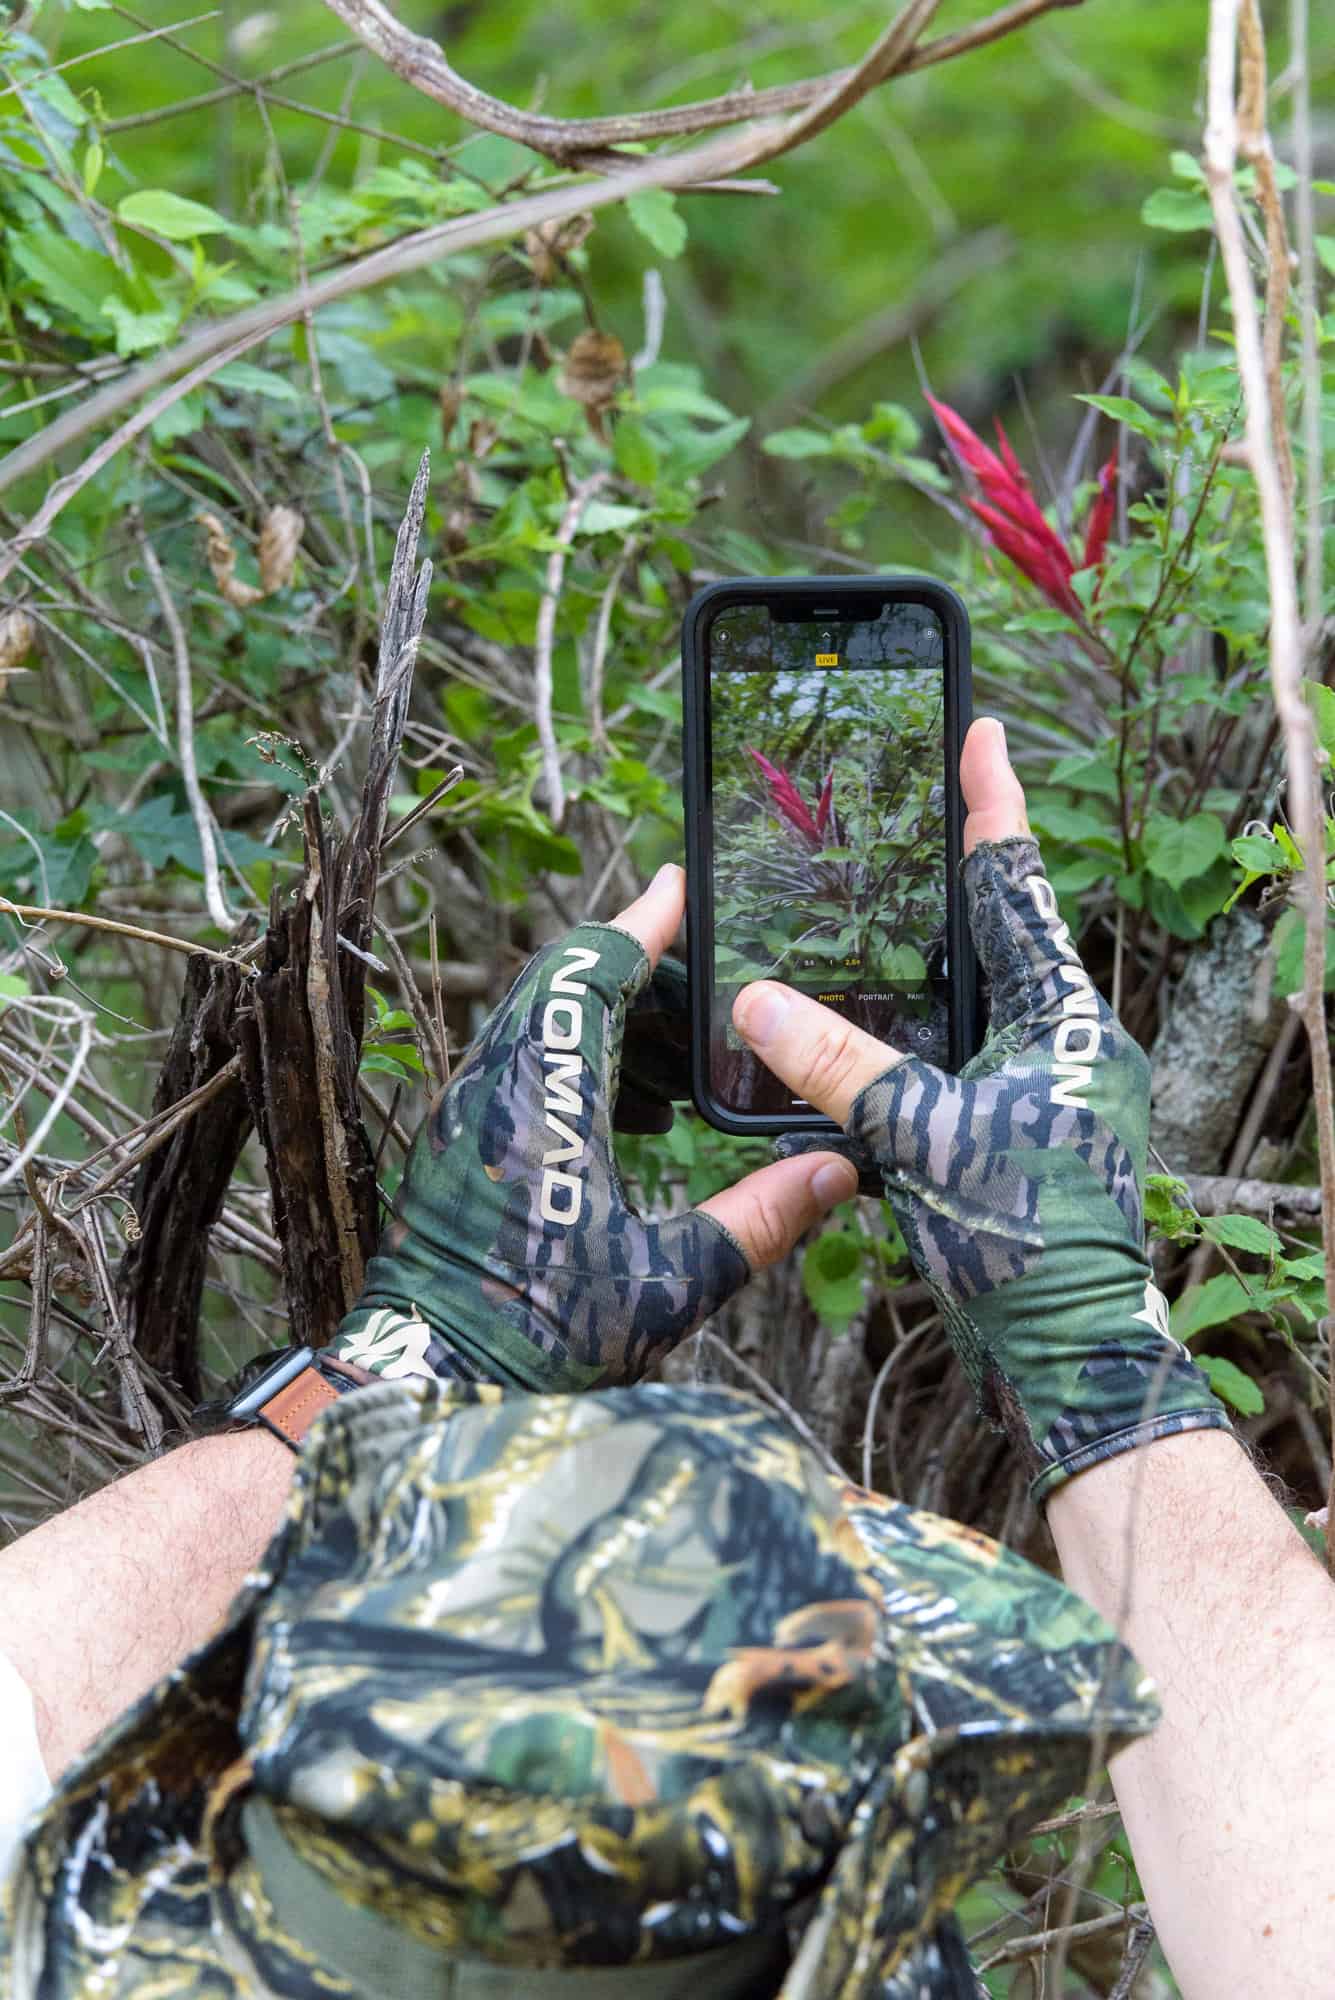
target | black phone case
[{"x": 964, "y": 999}]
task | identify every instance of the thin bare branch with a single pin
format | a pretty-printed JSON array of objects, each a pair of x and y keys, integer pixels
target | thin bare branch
[
  {"x": 423, "y": 806},
  {"x": 1254, "y": 146},
  {"x": 185, "y": 737},
  {"x": 895, "y": 1355},
  {"x": 422, "y": 63},
  {"x": 602, "y": 632},
  {"x": 155, "y": 1131},
  {"x": 580, "y": 496},
  {"x": 59, "y": 1013},
  {"x": 1304, "y": 212},
  {"x": 655, "y": 313},
  {"x": 1228, "y": 1194},
  {"x": 183, "y": 107},
  {"x": 1039, "y": 1941},
  {"x": 37, "y": 914},
  {"x": 1133, "y": 1958}
]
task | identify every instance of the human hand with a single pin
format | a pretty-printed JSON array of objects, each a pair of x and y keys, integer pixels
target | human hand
[
  {"x": 1018, "y": 1185},
  {"x": 514, "y": 1255}
]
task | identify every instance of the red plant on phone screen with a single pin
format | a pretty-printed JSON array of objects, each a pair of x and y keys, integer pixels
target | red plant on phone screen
[
  {"x": 1015, "y": 522},
  {"x": 789, "y": 803}
]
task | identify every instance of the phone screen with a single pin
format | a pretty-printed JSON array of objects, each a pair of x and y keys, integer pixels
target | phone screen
[{"x": 827, "y": 757}]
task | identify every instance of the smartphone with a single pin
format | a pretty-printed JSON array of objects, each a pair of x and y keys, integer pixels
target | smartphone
[{"x": 824, "y": 821}]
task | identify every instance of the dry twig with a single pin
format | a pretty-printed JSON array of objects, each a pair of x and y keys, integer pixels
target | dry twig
[
  {"x": 1064, "y": 1934},
  {"x": 580, "y": 496},
  {"x": 185, "y": 737},
  {"x": 421, "y": 63}
]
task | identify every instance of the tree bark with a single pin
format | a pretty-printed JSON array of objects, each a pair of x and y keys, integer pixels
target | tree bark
[
  {"x": 178, "y": 1191},
  {"x": 299, "y": 1054}
]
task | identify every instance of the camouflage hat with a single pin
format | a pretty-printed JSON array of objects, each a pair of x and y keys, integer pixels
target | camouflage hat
[{"x": 610, "y": 1693}]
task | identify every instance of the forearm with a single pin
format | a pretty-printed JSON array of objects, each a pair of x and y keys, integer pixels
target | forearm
[
  {"x": 1230, "y": 1803},
  {"x": 99, "y": 1602}
]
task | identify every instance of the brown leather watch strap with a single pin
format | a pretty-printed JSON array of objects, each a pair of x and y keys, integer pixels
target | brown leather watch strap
[{"x": 291, "y": 1411}]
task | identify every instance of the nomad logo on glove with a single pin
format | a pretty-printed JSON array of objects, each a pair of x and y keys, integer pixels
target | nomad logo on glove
[
  {"x": 562, "y": 1032},
  {"x": 1079, "y": 1033}
]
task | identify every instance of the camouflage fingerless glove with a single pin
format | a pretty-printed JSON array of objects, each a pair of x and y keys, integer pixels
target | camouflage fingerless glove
[
  {"x": 1018, "y": 1188},
  {"x": 514, "y": 1255}
]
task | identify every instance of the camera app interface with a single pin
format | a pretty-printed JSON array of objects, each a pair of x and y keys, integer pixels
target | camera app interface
[{"x": 829, "y": 815}]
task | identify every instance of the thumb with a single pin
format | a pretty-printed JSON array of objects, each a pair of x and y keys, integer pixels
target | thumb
[
  {"x": 768, "y": 1211},
  {"x": 992, "y": 791},
  {"x": 823, "y": 1058}
]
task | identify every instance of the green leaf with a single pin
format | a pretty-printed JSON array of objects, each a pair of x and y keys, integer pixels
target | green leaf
[
  {"x": 696, "y": 451},
  {"x": 1325, "y": 250},
  {"x": 903, "y": 965},
  {"x": 136, "y": 331},
  {"x": 253, "y": 381},
  {"x": 1168, "y": 1209},
  {"x": 1073, "y": 823},
  {"x": 1215, "y": 1303},
  {"x": 605, "y": 517},
  {"x": 679, "y": 1142},
  {"x": 1178, "y": 209},
  {"x": 161, "y": 834},
  {"x": 169, "y": 215},
  {"x": 1187, "y": 167},
  {"x": 1085, "y": 774},
  {"x": 11, "y": 988},
  {"x": 1259, "y": 853},
  {"x": 1124, "y": 411},
  {"x": 799, "y": 443},
  {"x": 66, "y": 274},
  {"x": 1322, "y": 699},
  {"x": 665, "y": 701},
  {"x": 1313, "y": 1265},
  {"x": 1175, "y": 850},
  {"x": 832, "y": 1271},
  {"x": 1242, "y": 1232},
  {"x": 396, "y": 1059},
  {"x": 1289, "y": 940},
  {"x": 1231, "y": 1385},
  {"x": 654, "y": 213},
  {"x": 816, "y": 947},
  {"x": 635, "y": 452}
]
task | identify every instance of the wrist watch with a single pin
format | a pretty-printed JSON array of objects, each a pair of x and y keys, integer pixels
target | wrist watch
[{"x": 285, "y": 1396}]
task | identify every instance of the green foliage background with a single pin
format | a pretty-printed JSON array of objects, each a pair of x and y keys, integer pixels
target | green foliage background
[{"x": 1023, "y": 229}]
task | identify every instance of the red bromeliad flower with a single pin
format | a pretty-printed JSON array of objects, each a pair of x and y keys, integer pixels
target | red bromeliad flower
[
  {"x": 1100, "y": 518},
  {"x": 790, "y": 804},
  {"x": 1014, "y": 520}
]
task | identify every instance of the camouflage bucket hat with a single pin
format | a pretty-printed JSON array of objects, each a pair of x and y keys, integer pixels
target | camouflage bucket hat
[{"x": 610, "y": 1693}]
